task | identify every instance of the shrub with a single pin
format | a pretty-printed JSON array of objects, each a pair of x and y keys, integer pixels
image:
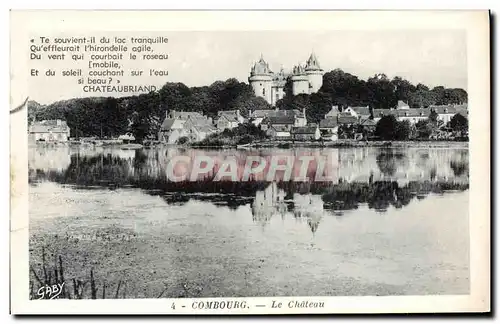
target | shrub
[
  {"x": 386, "y": 128},
  {"x": 182, "y": 140}
]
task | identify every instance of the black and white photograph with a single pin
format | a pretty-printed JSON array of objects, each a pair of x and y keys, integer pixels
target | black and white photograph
[{"x": 213, "y": 167}]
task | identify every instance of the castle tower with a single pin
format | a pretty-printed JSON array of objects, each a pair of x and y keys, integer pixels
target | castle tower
[
  {"x": 300, "y": 81},
  {"x": 261, "y": 79},
  {"x": 314, "y": 73},
  {"x": 278, "y": 87}
]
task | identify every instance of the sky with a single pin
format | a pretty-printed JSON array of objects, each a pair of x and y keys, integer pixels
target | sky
[{"x": 431, "y": 57}]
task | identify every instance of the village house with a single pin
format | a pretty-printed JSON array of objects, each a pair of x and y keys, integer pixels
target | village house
[
  {"x": 279, "y": 132},
  {"x": 368, "y": 125},
  {"x": 300, "y": 117},
  {"x": 179, "y": 124},
  {"x": 352, "y": 115},
  {"x": 171, "y": 130},
  {"x": 329, "y": 126},
  {"x": 258, "y": 116},
  {"x": 414, "y": 115},
  {"x": 346, "y": 118},
  {"x": 199, "y": 128},
  {"x": 333, "y": 112},
  {"x": 286, "y": 121},
  {"x": 358, "y": 112},
  {"x": 278, "y": 126},
  {"x": 446, "y": 112},
  {"x": 229, "y": 119},
  {"x": 49, "y": 131},
  {"x": 306, "y": 133}
]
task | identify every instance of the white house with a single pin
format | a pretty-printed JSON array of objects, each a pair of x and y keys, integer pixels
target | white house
[
  {"x": 329, "y": 128},
  {"x": 49, "y": 131},
  {"x": 229, "y": 119}
]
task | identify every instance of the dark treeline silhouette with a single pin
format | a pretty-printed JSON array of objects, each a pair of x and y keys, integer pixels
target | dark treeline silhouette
[{"x": 142, "y": 115}]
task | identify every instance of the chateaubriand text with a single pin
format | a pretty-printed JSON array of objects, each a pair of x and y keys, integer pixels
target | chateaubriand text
[{"x": 123, "y": 88}]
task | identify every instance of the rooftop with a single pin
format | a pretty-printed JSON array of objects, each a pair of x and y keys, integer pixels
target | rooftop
[
  {"x": 228, "y": 114},
  {"x": 49, "y": 126},
  {"x": 280, "y": 128},
  {"x": 167, "y": 124},
  {"x": 367, "y": 122},
  {"x": 347, "y": 120},
  {"x": 328, "y": 123},
  {"x": 304, "y": 130},
  {"x": 283, "y": 120},
  {"x": 363, "y": 111},
  {"x": 185, "y": 114}
]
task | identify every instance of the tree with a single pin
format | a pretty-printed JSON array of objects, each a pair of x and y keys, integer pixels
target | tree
[
  {"x": 386, "y": 128},
  {"x": 345, "y": 89},
  {"x": 439, "y": 95},
  {"x": 422, "y": 97},
  {"x": 403, "y": 89},
  {"x": 246, "y": 104},
  {"x": 34, "y": 109},
  {"x": 382, "y": 92},
  {"x": 423, "y": 129},
  {"x": 403, "y": 130},
  {"x": 433, "y": 117},
  {"x": 427, "y": 128}
]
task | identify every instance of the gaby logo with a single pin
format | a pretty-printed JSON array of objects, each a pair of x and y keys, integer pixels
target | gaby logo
[
  {"x": 297, "y": 167},
  {"x": 50, "y": 292}
]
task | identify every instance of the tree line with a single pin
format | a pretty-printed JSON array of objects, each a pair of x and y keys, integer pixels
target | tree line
[
  {"x": 378, "y": 92},
  {"x": 143, "y": 115}
]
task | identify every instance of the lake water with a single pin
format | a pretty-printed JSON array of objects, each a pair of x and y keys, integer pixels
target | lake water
[{"x": 387, "y": 222}]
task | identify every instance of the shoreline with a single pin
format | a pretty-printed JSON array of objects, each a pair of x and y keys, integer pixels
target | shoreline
[{"x": 286, "y": 145}]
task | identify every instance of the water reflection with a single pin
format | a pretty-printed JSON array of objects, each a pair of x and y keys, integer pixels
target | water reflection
[{"x": 378, "y": 178}]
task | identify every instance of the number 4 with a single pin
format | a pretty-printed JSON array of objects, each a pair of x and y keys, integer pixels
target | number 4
[{"x": 173, "y": 305}]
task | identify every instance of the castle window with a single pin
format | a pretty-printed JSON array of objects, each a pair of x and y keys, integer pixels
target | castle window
[
  {"x": 277, "y": 97},
  {"x": 263, "y": 92}
]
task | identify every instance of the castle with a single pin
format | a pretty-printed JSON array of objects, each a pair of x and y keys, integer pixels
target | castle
[{"x": 306, "y": 78}]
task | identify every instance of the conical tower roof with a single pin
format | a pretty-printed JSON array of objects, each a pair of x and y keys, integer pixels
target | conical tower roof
[{"x": 261, "y": 67}]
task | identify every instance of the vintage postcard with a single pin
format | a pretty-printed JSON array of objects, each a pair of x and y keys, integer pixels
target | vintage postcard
[{"x": 250, "y": 162}]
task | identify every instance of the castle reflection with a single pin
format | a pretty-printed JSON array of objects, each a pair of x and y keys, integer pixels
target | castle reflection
[{"x": 379, "y": 178}]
